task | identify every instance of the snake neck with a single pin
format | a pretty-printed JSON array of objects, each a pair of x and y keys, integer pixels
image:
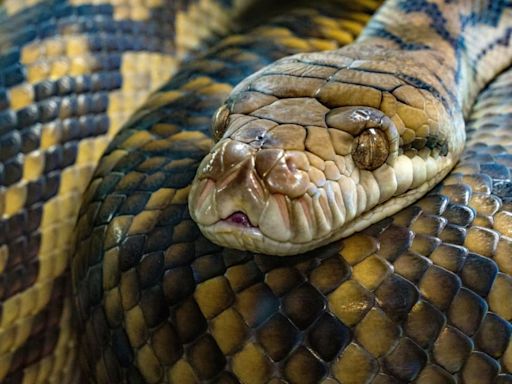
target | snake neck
[{"x": 463, "y": 43}]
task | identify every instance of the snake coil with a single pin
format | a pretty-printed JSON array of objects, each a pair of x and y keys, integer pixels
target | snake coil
[{"x": 344, "y": 135}]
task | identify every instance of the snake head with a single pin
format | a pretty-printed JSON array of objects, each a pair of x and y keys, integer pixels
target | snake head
[{"x": 292, "y": 170}]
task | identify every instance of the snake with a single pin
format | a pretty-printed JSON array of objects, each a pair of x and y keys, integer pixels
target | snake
[{"x": 242, "y": 289}]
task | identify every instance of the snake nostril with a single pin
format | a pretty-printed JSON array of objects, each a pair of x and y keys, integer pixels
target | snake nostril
[{"x": 259, "y": 141}]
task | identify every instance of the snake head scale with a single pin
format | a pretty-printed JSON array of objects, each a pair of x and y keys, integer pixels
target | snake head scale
[{"x": 296, "y": 168}]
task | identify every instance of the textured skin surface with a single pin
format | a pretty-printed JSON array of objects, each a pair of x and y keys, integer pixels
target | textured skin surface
[
  {"x": 71, "y": 73},
  {"x": 135, "y": 210},
  {"x": 287, "y": 156},
  {"x": 423, "y": 296},
  {"x": 158, "y": 302}
]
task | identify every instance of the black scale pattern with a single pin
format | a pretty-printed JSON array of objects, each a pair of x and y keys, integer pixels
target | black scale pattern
[{"x": 417, "y": 297}]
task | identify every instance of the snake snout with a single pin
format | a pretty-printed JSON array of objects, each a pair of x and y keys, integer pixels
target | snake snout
[{"x": 228, "y": 186}]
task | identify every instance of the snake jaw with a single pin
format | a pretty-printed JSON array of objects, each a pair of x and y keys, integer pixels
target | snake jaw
[
  {"x": 310, "y": 230},
  {"x": 337, "y": 209},
  {"x": 241, "y": 209}
]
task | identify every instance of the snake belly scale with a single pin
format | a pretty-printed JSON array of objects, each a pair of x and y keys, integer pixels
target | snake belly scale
[{"x": 422, "y": 296}]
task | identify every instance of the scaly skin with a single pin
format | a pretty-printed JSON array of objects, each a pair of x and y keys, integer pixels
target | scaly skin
[
  {"x": 284, "y": 177},
  {"x": 421, "y": 297},
  {"x": 172, "y": 137},
  {"x": 71, "y": 74}
]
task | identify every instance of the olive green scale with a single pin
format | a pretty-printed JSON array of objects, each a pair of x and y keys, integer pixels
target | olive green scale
[{"x": 420, "y": 297}]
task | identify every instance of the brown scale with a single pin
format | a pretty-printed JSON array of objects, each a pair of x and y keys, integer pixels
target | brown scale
[
  {"x": 433, "y": 143},
  {"x": 72, "y": 73},
  {"x": 185, "y": 264},
  {"x": 422, "y": 296}
]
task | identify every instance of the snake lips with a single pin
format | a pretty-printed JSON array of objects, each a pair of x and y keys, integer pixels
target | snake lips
[{"x": 288, "y": 174}]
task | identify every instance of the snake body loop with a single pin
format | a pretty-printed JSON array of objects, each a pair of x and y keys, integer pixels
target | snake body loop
[
  {"x": 421, "y": 296},
  {"x": 71, "y": 74}
]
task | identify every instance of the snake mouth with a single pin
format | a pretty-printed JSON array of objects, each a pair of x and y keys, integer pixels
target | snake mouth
[
  {"x": 239, "y": 219},
  {"x": 235, "y": 230}
]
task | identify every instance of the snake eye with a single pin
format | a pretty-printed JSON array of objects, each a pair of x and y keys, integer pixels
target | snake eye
[
  {"x": 371, "y": 149},
  {"x": 220, "y": 122}
]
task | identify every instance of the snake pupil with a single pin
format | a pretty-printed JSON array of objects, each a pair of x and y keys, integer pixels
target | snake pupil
[{"x": 371, "y": 149}]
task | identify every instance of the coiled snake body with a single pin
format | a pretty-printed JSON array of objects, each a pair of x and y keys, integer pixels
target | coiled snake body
[{"x": 421, "y": 296}]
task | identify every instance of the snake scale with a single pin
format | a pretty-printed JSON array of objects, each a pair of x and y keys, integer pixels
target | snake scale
[{"x": 135, "y": 293}]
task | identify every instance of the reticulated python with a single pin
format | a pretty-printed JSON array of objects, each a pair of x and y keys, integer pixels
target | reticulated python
[{"x": 423, "y": 296}]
